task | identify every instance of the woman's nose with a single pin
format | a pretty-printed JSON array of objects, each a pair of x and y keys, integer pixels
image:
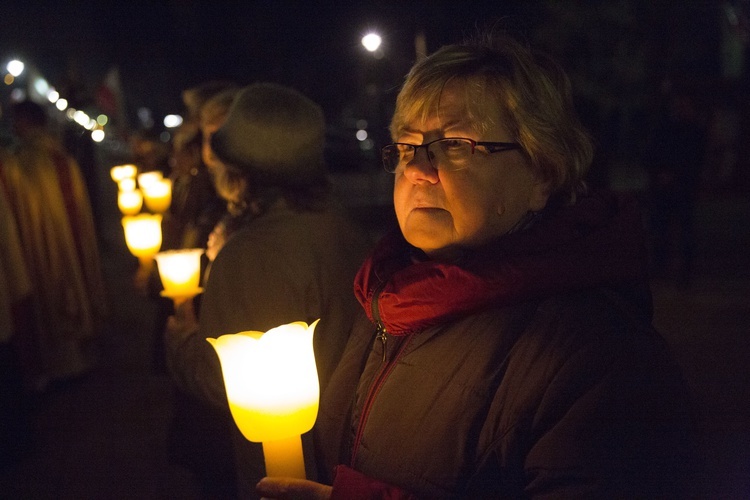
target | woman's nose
[{"x": 420, "y": 168}]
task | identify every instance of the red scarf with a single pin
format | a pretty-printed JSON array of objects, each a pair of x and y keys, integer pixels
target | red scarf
[{"x": 596, "y": 242}]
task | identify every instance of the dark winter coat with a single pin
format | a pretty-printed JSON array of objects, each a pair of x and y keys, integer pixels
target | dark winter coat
[
  {"x": 529, "y": 369},
  {"x": 280, "y": 267}
]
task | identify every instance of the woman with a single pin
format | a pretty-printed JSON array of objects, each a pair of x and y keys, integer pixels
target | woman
[
  {"x": 290, "y": 256},
  {"x": 507, "y": 349}
]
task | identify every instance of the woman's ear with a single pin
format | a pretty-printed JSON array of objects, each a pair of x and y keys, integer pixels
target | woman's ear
[{"x": 540, "y": 193}]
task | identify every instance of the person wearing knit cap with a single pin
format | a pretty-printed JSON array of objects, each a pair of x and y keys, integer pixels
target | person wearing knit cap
[{"x": 291, "y": 256}]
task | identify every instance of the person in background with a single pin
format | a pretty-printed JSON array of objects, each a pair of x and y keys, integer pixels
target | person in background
[
  {"x": 505, "y": 347},
  {"x": 212, "y": 115},
  {"x": 149, "y": 152},
  {"x": 195, "y": 207},
  {"x": 199, "y": 437},
  {"x": 291, "y": 256},
  {"x": 195, "y": 98},
  {"x": 16, "y": 329},
  {"x": 53, "y": 214}
]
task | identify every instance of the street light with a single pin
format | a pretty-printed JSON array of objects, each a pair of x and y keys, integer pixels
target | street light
[
  {"x": 371, "y": 42},
  {"x": 15, "y": 67}
]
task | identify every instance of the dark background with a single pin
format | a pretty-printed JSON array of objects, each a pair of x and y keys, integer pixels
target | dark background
[
  {"x": 105, "y": 436},
  {"x": 619, "y": 54}
]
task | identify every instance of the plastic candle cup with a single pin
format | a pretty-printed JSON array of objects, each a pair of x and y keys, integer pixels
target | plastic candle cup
[
  {"x": 158, "y": 195},
  {"x": 130, "y": 202},
  {"x": 121, "y": 172},
  {"x": 272, "y": 387},
  {"x": 126, "y": 184},
  {"x": 143, "y": 235},
  {"x": 179, "y": 271}
]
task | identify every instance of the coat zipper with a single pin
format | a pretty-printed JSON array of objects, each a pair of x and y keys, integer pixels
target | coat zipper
[
  {"x": 385, "y": 371},
  {"x": 380, "y": 332}
]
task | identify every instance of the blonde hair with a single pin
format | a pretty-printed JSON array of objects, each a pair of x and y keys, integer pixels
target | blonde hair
[
  {"x": 215, "y": 109},
  {"x": 503, "y": 80}
]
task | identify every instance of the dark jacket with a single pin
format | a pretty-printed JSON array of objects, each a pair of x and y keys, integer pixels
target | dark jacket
[
  {"x": 528, "y": 369},
  {"x": 280, "y": 267}
]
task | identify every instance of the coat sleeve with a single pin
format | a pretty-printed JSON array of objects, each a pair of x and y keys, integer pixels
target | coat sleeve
[{"x": 194, "y": 366}]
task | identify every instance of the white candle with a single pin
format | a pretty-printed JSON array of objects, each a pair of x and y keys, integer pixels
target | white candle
[
  {"x": 147, "y": 178},
  {"x": 121, "y": 172},
  {"x": 130, "y": 202},
  {"x": 126, "y": 184},
  {"x": 272, "y": 388},
  {"x": 143, "y": 234},
  {"x": 158, "y": 195},
  {"x": 179, "y": 271}
]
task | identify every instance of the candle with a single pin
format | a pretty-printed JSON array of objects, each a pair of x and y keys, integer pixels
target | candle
[
  {"x": 158, "y": 195},
  {"x": 272, "y": 389},
  {"x": 179, "y": 271},
  {"x": 126, "y": 184},
  {"x": 147, "y": 178},
  {"x": 130, "y": 202},
  {"x": 121, "y": 172},
  {"x": 143, "y": 235}
]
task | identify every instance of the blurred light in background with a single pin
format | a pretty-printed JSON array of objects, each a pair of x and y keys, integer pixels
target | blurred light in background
[
  {"x": 15, "y": 67},
  {"x": 371, "y": 41},
  {"x": 172, "y": 121}
]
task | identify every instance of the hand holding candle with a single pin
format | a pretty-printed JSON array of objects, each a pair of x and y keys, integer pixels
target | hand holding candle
[{"x": 272, "y": 386}]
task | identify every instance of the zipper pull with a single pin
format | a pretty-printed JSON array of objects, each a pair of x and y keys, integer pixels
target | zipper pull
[{"x": 380, "y": 335}]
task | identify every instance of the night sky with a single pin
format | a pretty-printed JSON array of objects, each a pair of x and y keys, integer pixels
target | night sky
[
  {"x": 164, "y": 47},
  {"x": 618, "y": 54}
]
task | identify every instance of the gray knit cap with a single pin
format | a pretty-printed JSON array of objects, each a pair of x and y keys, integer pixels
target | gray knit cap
[{"x": 274, "y": 133}]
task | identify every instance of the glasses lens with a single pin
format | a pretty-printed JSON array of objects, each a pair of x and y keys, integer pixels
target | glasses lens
[
  {"x": 451, "y": 153},
  {"x": 395, "y": 154}
]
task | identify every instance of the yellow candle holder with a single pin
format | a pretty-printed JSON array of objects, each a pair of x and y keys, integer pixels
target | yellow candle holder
[
  {"x": 127, "y": 184},
  {"x": 145, "y": 179},
  {"x": 179, "y": 271},
  {"x": 272, "y": 388},
  {"x": 157, "y": 195},
  {"x": 130, "y": 202},
  {"x": 121, "y": 172},
  {"x": 143, "y": 235}
]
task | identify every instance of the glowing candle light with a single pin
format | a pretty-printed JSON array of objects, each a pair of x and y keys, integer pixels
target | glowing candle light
[
  {"x": 130, "y": 202},
  {"x": 126, "y": 184},
  {"x": 158, "y": 195},
  {"x": 147, "y": 178},
  {"x": 143, "y": 235},
  {"x": 272, "y": 388},
  {"x": 121, "y": 172},
  {"x": 179, "y": 271}
]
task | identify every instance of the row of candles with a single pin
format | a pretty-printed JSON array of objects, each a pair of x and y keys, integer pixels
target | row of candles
[
  {"x": 179, "y": 270},
  {"x": 271, "y": 379}
]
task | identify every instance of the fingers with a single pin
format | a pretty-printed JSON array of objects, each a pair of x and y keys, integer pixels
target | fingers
[{"x": 285, "y": 488}]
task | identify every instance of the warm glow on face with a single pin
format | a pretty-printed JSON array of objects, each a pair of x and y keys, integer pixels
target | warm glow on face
[
  {"x": 142, "y": 234},
  {"x": 271, "y": 380}
]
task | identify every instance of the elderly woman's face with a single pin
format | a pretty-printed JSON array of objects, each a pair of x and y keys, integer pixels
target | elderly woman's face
[{"x": 443, "y": 211}]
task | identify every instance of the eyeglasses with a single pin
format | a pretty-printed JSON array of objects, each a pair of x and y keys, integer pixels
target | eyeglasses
[{"x": 449, "y": 153}]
